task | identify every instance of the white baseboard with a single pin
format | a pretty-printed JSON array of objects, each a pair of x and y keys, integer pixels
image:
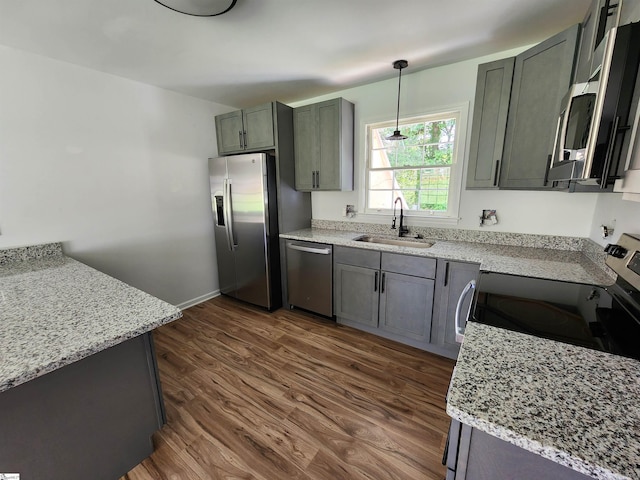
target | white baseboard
[{"x": 197, "y": 300}]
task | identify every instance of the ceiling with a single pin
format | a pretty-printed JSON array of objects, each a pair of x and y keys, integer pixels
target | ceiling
[{"x": 287, "y": 50}]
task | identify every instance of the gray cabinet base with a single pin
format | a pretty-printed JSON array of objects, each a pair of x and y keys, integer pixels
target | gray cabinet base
[
  {"x": 475, "y": 455},
  {"x": 90, "y": 419},
  {"x": 422, "y": 345}
]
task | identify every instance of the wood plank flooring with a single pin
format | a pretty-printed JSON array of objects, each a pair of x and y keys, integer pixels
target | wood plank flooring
[{"x": 288, "y": 395}]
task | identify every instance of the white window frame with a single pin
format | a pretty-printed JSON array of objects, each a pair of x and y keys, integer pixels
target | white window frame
[{"x": 451, "y": 216}]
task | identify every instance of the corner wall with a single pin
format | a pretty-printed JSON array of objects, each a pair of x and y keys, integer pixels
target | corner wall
[{"x": 114, "y": 169}]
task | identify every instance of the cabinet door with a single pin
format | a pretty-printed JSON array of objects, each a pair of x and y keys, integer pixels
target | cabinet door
[
  {"x": 542, "y": 76},
  {"x": 493, "y": 91},
  {"x": 485, "y": 457},
  {"x": 356, "y": 294},
  {"x": 451, "y": 280},
  {"x": 328, "y": 159},
  {"x": 229, "y": 132},
  {"x": 305, "y": 145},
  {"x": 406, "y": 305},
  {"x": 258, "y": 125}
]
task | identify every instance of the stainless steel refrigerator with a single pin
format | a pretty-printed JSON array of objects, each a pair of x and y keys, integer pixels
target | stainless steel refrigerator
[{"x": 243, "y": 197}]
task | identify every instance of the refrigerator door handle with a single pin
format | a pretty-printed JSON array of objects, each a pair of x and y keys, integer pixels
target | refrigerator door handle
[{"x": 228, "y": 214}]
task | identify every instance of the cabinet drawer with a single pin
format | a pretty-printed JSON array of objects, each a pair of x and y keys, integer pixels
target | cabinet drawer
[
  {"x": 409, "y": 265},
  {"x": 356, "y": 256}
]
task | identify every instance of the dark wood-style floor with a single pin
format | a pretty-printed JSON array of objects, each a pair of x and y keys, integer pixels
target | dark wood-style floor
[{"x": 287, "y": 395}]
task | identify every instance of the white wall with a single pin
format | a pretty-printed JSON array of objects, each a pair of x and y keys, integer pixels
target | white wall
[
  {"x": 114, "y": 169},
  {"x": 553, "y": 213}
]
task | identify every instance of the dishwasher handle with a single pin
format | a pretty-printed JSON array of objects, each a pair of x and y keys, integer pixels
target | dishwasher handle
[
  {"x": 468, "y": 288},
  {"x": 319, "y": 251}
]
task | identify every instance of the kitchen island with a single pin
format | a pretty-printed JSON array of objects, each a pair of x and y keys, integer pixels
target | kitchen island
[
  {"x": 79, "y": 391},
  {"x": 573, "y": 406}
]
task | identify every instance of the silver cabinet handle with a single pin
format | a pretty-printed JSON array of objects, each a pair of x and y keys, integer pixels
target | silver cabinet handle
[
  {"x": 240, "y": 139},
  {"x": 459, "y": 330},
  {"x": 319, "y": 251},
  {"x": 244, "y": 136}
]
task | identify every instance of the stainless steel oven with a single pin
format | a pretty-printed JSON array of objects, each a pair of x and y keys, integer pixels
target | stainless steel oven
[{"x": 603, "y": 318}]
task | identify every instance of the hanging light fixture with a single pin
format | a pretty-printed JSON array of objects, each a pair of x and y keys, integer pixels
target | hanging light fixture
[
  {"x": 398, "y": 65},
  {"x": 199, "y": 8}
]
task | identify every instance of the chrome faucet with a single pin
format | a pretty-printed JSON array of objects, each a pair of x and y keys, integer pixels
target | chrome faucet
[{"x": 402, "y": 229}]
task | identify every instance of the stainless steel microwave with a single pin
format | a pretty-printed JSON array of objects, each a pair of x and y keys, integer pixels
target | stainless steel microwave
[{"x": 593, "y": 121}]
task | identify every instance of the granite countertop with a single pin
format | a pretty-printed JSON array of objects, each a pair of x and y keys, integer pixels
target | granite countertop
[
  {"x": 575, "y": 406},
  {"x": 56, "y": 310},
  {"x": 566, "y": 265}
]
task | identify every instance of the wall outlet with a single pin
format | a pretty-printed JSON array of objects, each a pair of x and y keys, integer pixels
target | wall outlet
[
  {"x": 488, "y": 217},
  {"x": 349, "y": 211}
]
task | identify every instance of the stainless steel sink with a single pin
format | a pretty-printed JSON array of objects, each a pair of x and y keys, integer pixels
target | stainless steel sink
[{"x": 399, "y": 242}]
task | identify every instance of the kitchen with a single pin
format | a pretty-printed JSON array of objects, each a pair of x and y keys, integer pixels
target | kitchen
[{"x": 150, "y": 219}]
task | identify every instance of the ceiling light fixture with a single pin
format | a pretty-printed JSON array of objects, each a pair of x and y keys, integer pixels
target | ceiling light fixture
[
  {"x": 398, "y": 65},
  {"x": 199, "y": 8}
]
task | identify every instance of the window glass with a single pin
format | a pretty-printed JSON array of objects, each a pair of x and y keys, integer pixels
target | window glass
[{"x": 418, "y": 169}]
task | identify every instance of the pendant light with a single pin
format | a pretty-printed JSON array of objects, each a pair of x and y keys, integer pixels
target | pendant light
[
  {"x": 199, "y": 8},
  {"x": 398, "y": 65}
]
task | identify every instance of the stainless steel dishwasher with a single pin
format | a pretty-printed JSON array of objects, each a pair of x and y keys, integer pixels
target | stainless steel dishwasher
[{"x": 310, "y": 276}]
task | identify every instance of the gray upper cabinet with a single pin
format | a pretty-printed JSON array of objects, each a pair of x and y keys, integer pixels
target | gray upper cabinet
[
  {"x": 246, "y": 130},
  {"x": 323, "y": 145},
  {"x": 542, "y": 75},
  {"x": 491, "y": 106},
  {"x": 450, "y": 282}
]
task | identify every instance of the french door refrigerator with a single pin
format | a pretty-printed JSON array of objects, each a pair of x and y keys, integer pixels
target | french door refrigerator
[{"x": 243, "y": 197}]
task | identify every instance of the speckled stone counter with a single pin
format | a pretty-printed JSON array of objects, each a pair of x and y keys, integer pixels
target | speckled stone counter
[
  {"x": 566, "y": 265},
  {"x": 574, "y": 406},
  {"x": 56, "y": 311}
]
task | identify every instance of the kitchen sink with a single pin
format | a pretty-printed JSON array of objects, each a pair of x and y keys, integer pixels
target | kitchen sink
[{"x": 399, "y": 242}]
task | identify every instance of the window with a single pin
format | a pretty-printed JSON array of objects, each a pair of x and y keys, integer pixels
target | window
[{"x": 424, "y": 170}]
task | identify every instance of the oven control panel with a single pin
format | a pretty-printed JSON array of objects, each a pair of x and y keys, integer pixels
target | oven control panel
[{"x": 624, "y": 258}]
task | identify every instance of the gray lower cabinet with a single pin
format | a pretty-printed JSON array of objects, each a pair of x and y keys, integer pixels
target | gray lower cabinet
[
  {"x": 452, "y": 278},
  {"x": 542, "y": 75},
  {"x": 406, "y": 305},
  {"x": 475, "y": 455},
  {"x": 323, "y": 145},
  {"x": 246, "y": 130},
  {"x": 93, "y": 418},
  {"x": 490, "y": 109},
  {"x": 384, "y": 293},
  {"x": 356, "y": 294}
]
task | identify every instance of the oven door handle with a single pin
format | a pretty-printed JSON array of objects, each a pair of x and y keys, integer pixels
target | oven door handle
[{"x": 469, "y": 287}]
